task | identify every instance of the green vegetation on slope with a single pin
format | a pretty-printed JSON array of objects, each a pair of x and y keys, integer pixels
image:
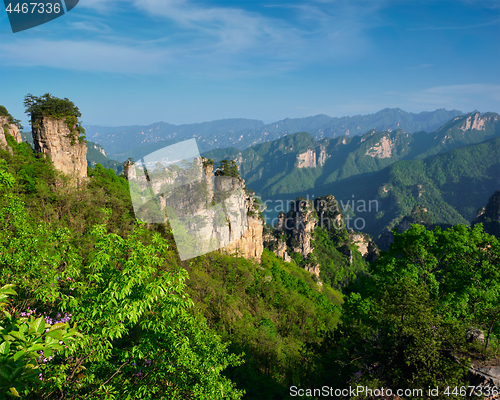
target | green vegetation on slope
[
  {"x": 80, "y": 253},
  {"x": 404, "y": 325}
]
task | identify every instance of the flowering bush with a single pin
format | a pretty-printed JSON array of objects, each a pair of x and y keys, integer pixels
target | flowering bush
[{"x": 26, "y": 342}]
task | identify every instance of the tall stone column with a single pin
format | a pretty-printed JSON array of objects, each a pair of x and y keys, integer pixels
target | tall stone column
[{"x": 53, "y": 137}]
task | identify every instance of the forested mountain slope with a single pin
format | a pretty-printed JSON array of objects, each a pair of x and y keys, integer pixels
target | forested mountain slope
[
  {"x": 97, "y": 305},
  {"x": 173, "y": 329},
  {"x": 137, "y": 141},
  {"x": 451, "y": 185},
  {"x": 382, "y": 167},
  {"x": 297, "y": 163}
]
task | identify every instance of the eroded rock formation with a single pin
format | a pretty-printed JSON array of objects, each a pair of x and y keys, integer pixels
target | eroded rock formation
[
  {"x": 307, "y": 159},
  {"x": 312, "y": 158},
  {"x": 52, "y": 137},
  {"x": 365, "y": 245},
  {"x": 299, "y": 224},
  {"x": 9, "y": 129},
  {"x": 216, "y": 212}
]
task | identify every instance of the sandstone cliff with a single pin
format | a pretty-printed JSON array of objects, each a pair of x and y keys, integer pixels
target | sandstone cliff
[
  {"x": 365, "y": 245},
  {"x": 52, "y": 137},
  {"x": 299, "y": 224},
  {"x": 9, "y": 129},
  {"x": 312, "y": 158},
  {"x": 294, "y": 237},
  {"x": 216, "y": 212}
]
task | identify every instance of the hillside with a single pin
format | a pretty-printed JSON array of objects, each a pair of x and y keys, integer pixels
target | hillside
[
  {"x": 451, "y": 185},
  {"x": 227, "y": 307},
  {"x": 137, "y": 141},
  {"x": 297, "y": 163},
  {"x": 489, "y": 216},
  {"x": 96, "y": 304},
  {"x": 353, "y": 168}
]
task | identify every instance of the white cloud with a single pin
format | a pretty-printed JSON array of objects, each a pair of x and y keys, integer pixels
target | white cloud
[
  {"x": 230, "y": 41},
  {"x": 90, "y": 56},
  {"x": 94, "y": 26},
  {"x": 458, "y": 27},
  {"x": 184, "y": 37}
]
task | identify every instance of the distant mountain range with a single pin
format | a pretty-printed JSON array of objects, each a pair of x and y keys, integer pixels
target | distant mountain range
[
  {"x": 397, "y": 169},
  {"x": 136, "y": 141},
  {"x": 450, "y": 172}
]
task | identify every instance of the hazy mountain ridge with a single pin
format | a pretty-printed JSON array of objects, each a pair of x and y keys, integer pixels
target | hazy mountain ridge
[
  {"x": 119, "y": 139},
  {"x": 274, "y": 168},
  {"x": 369, "y": 167},
  {"x": 137, "y": 141}
]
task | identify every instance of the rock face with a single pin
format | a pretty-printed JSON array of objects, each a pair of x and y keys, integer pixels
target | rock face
[
  {"x": 52, "y": 137},
  {"x": 383, "y": 149},
  {"x": 307, "y": 159},
  {"x": 322, "y": 156},
  {"x": 474, "y": 122},
  {"x": 215, "y": 211},
  {"x": 277, "y": 246},
  {"x": 312, "y": 158},
  {"x": 9, "y": 129},
  {"x": 365, "y": 245},
  {"x": 299, "y": 223},
  {"x": 250, "y": 244},
  {"x": 484, "y": 375}
]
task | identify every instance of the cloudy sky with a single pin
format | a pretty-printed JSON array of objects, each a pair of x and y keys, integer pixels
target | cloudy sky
[{"x": 127, "y": 62}]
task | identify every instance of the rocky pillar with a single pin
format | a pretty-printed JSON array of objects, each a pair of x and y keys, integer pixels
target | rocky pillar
[{"x": 53, "y": 137}]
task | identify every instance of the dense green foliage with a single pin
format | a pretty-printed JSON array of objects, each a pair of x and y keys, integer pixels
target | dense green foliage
[
  {"x": 49, "y": 106},
  {"x": 227, "y": 168},
  {"x": 27, "y": 340},
  {"x": 404, "y": 325},
  {"x": 79, "y": 252}
]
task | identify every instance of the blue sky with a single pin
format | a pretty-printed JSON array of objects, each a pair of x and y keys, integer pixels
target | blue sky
[{"x": 127, "y": 62}]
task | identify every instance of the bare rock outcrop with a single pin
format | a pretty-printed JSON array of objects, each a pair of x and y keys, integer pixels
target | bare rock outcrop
[
  {"x": 307, "y": 159},
  {"x": 383, "y": 149},
  {"x": 216, "y": 211},
  {"x": 277, "y": 245},
  {"x": 52, "y": 137},
  {"x": 365, "y": 245},
  {"x": 322, "y": 156},
  {"x": 474, "y": 121},
  {"x": 299, "y": 223},
  {"x": 9, "y": 129}
]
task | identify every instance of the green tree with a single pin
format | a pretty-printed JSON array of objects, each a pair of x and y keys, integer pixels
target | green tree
[
  {"x": 47, "y": 105},
  {"x": 404, "y": 325},
  {"x": 227, "y": 168}
]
